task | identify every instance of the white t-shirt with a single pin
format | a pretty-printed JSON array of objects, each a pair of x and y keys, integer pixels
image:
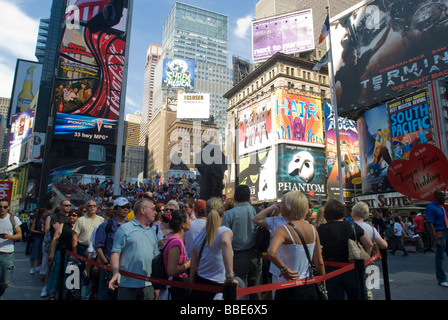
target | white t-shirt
[
  {"x": 7, "y": 245},
  {"x": 369, "y": 230},
  {"x": 195, "y": 226}
]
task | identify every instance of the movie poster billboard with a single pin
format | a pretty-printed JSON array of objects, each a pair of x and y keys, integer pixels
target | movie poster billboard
[
  {"x": 26, "y": 87},
  {"x": 350, "y": 159},
  {"x": 178, "y": 74},
  {"x": 89, "y": 79},
  {"x": 410, "y": 121},
  {"x": 255, "y": 126},
  {"x": 375, "y": 150},
  {"x": 303, "y": 169},
  {"x": 382, "y": 49},
  {"x": 289, "y": 33},
  {"x": 298, "y": 118},
  {"x": 257, "y": 170}
]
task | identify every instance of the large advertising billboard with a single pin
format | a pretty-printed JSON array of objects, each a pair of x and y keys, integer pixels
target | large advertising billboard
[
  {"x": 289, "y": 33},
  {"x": 26, "y": 87},
  {"x": 298, "y": 118},
  {"x": 193, "y": 106},
  {"x": 410, "y": 120},
  {"x": 91, "y": 69},
  {"x": 178, "y": 74},
  {"x": 301, "y": 168},
  {"x": 375, "y": 150},
  {"x": 382, "y": 49},
  {"x": 350, "y": 159},
  {"x": 255, "y": 126}
]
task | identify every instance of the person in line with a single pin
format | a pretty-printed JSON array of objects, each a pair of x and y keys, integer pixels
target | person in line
[
  {"x": 188, "y": 207},
  {"x": 104, "y": 240},
  {"x": 334, "y": 236},
  {"x": 212, "y": 255},
  {"x": 286, "y": 250},
  {"x": 247, "y": 262},
  {"x": 62, "y": 238},
  {"x": 437, "y": 217},
  {"x": 196, "y": 225},
  {"x": 10, "y": 231},
  {"x": 134, "y": 247},
  {"x": 37, "y": 232},
  {"x": 175, "y": 256},
  {"x": 360, "y": 212},
  {"x": 162, "y": 229}
]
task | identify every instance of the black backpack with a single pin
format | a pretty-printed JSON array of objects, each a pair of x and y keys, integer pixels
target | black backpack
[{"x": 158, "y": 269}]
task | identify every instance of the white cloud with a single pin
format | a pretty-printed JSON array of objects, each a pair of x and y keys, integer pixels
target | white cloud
[
  {"x": 243, "y": 26},
  {"x": 17, "y": 41}
]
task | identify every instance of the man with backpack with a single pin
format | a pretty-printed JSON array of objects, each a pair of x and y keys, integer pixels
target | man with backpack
[
  {"x": 104, "y": 239},
  {"x": 10, "y": 231}
]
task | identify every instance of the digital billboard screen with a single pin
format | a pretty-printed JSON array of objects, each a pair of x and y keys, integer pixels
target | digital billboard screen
[
  {"x": 383, "y": 49},
  {"x": 178, "y": 74},
  {"x": 289, "y": 33}
]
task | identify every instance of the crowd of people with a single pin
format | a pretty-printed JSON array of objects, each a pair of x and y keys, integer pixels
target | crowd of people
[{"x": 213, "y": 242}]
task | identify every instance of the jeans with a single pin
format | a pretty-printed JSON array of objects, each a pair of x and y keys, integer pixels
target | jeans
[
  {"x": 440, "y": 252},
  {"x": 6, "y": 267},
  {"x": 248, "y": 266}
]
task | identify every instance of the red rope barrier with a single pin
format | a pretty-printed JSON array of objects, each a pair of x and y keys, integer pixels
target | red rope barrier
[{"x": 344, "y": 267}]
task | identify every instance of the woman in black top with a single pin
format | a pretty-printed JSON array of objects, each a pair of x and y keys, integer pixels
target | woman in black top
[
  {"x": 62, "y": 238},
  {"x": 334, "y": 235}
]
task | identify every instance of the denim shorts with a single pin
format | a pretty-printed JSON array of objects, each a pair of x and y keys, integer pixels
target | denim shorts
[{"x": 6, "y": 267}]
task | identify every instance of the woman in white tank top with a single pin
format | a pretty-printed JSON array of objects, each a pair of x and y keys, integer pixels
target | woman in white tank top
[{"x": 286, "y": 250}]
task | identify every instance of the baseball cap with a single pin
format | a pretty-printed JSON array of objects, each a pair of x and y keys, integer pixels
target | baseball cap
[{"x": 121, "y": 201}]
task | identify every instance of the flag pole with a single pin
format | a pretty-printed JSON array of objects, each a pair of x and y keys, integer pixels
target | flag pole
[{"x": 336, "y": 116}]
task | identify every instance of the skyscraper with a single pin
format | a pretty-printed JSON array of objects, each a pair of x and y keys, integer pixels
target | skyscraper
[
  {"x": 192, "y": 33},
  {"x": 152, "y": 57}
]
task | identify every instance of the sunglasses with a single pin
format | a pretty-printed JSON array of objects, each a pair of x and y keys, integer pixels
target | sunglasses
[
  {"x": 125, "y": 207},
  {"x": 4, "y": 207},
  {"x": 168, "y": 210},
  {"x": 73, "y": 215},
  {"x": 66, "y": 205}
]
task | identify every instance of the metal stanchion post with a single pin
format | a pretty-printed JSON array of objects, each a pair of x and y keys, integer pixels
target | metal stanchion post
[
  {"x": 229, "y": 292},
  {"x": 360, "y": 270},
  {"x": 61, "y": 273},
  {"x": 385, "y": 274}
]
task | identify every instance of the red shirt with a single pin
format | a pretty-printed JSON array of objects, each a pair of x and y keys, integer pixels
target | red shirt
[{"x": 419, "y": 224}]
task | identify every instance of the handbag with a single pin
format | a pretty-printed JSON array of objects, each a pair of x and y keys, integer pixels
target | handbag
[
  {"x": 375, "y": 248},
  {"x": 312, "y": 271},
  {"x": 355, "y": 249}
]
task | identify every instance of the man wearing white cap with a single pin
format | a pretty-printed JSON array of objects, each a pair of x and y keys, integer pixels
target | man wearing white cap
[{"x": 104, "y": 239}]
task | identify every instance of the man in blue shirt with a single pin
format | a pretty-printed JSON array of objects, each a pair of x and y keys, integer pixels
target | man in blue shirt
[
  {"x": 437, "y": 217},
  {"x": 247, "y": 261},
  {"x": 135, "y": 245},
  {"x": 104, "y": 239}
]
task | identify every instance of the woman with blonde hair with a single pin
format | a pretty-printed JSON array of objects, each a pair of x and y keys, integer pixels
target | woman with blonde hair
[
  {"x": 287, "y": 251},
  {"x": 212, "y": 256}
]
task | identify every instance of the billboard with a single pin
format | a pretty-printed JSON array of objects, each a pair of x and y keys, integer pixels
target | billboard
[
  {"x": 88, "y": 129},
  {"x": 375, "y": 150},
  {"x": 91, "y": 66},
  {"x": 178, "y": 74},
  {"x": 257, "y": 170},
  {"x": 301, "y": 168},
  {"x": 349, "y": 145},
  {"x": 410, "y": 120},
  {"x": 26, "y": 86},
  {"x": 255, "y": 126},
  {"x": 297, "y": 118},
  {"x": 289, "y": 33},
  {"x": 193, "y": 106},
  {"x": 382, "y": 49}
]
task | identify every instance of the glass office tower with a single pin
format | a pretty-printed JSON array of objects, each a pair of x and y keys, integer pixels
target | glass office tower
[{"x": 201, "y": 35}]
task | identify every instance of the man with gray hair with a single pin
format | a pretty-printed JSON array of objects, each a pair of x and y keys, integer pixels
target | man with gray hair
[{"x": 135, "y": 245}]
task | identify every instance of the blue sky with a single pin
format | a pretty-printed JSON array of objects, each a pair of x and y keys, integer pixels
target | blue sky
[{"x": 19, "y": 21}]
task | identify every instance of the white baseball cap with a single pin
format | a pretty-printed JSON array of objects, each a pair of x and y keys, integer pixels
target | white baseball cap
[{"x": 121, "y": 201}]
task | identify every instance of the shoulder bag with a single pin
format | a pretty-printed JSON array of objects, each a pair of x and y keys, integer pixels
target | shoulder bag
[{"x": 355, "y": 249}]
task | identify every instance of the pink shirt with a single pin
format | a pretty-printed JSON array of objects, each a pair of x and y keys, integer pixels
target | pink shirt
[{"x": 173, "y": 241}]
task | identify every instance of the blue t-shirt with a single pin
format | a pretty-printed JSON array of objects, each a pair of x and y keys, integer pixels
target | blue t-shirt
[
  {"x": 104, "y": 239},
  {"x": 137, "y": 247},
  {"x": 435, "y": 215}
]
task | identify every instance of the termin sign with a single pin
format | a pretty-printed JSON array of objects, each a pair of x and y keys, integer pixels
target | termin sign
[{"x": 386, "y": 200}]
